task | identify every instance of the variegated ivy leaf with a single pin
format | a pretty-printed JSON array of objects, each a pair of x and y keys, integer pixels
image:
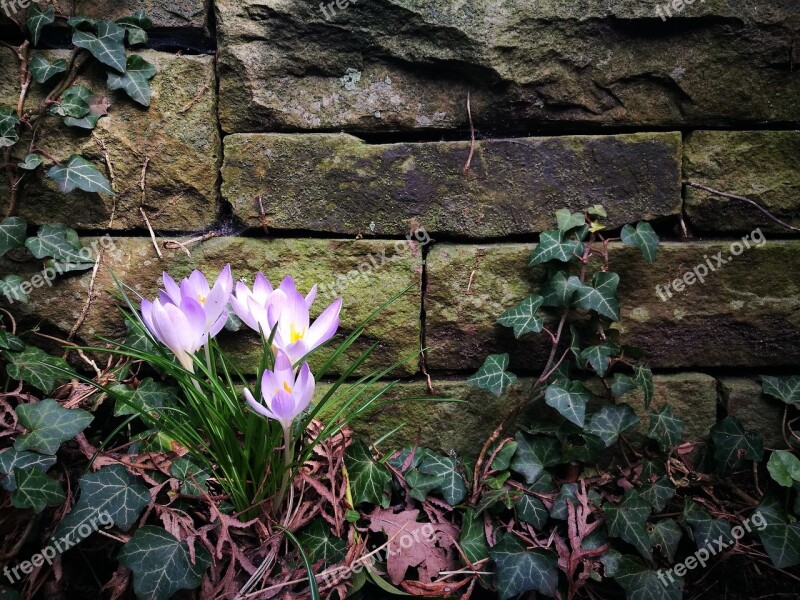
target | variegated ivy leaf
[
  {"x": 598, "y": 357},
  {"x": 135, "y": 80},
  {"x": 49, "y": 425},
  {"x": 472, "y": 540},
  {"x": 665, "y": 536},
  {"x": 732, "y": 444},
  {"x": 622, "y": 384},
  {"x": 12, "y": 234},
  {"x": 37, "y": 368},
  {"x": 601, "y": 296},
  {"x": 149, "y": 396},
  {"x": 532, "y": 510},
  {"x": 36, "y": 490},
  {"x": 320, "y": 544},
  {"x": 611, "y": 421},
  {"x": 705, "y": 529},
  {"x": 60, "y": 242},
  {"x": 111, "y": 489},
  {"x": 523, "y": 317},
  {"x": 493, "y": 376},
  {"x": 8, "y": 127},
  {"x": 553, "y": 246},
  {"x": 11, "y": 459},
  {"x": 642, "y": 583},
  {"x": 643, "y": 238},
  {"x": 569, "y": 399},
  {"x": 557, "y": 291},
  {"x": 107, "y": 45},
  {"x": 568, "y": 220},
  {"x": 38, "y": 17},
  {"x": 658, "y": 493},
  {"x": 521, "y": 570},
  {"x": 369, "y": 480},
  {"x": 782, "y": 388},
  {"x": 192, "y": 476},
  {"x": 31, "y": 162},
  {"x": 43, "y": 69},
  {"x": 450, "y": 482},
  {"x": 665, "y": 428},
  {"x": 628, "y": 521},
  {"x": 161, "y": 564},
  {"x": 534, "y": 454},
  {"x": 643, "y": 377},
  {"x": 79, "y": 173}
]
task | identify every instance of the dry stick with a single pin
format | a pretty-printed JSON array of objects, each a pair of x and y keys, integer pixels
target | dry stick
[
  {"x": 143, "y": 187},
  {"x": 471, "y": 134},
  {"x": 743, "y": 199}
]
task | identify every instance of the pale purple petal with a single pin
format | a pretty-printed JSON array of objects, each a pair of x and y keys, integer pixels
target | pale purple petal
[
  {"x": 304, "y": 388},
  {"x": 147, "y": 315},
  {"x": 172, "y": 289},
  {"x": 283, "y": 406},
  {"x": 325, "y": 326},
  {"x": 262, "y": 288},
  {"x": 311, "y": 296},
  {"x": 257, "y": 406}
]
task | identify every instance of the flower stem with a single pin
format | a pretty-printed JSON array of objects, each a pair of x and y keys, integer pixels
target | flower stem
[{"x": 288, "y": 456}]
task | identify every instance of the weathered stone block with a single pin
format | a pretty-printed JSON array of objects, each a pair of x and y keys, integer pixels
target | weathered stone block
[
  {"x": 759, "y": 165},
  {"x": 745, "y": 314},
  {"x": 389, "y": 65},
  {"x": 338, "y": 266},
  {"x": 512, "y": 187},
  {"x": 177, "y": 137},
  {"x": 175, "y": 14},
  {"x": 465, "y": 426},
  {"x": 757, "y": 412}
]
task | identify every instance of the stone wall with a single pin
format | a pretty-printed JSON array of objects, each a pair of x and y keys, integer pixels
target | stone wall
[{"x": 331, "y": 143}]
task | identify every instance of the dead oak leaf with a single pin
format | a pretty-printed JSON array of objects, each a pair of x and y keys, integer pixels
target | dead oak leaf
[{"x": 427, "y": 547}]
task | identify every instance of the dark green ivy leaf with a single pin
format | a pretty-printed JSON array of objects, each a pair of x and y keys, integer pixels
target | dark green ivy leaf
[
  {"x": 611, "y": 421},
  {"x": 11, "y": 459},
  {"x": 658, "y": 493},
  {"x": 35, "y": 490},
  {"x": 665, "y": 536},
  {"x": 784, "y": 468},
  {"x": 732, "y": 444},
  {"x": 106, "y": 46},
  {"x": 628, "y": 521},
  {"x": 533, "y": 455},
  {"x": 643, "y": 583},
  {"x": 451, "y": 484},
  {"x": 43, "y": 69},
  {"x": 473, "y": 537},
  {"x": 12, "y": 234},
  {"x": 523, "y": 317},
  {"x": 320, "y": 544},
  {"x": 643, "y": 238},
  {"x": 569, "y": 399},
  {"x": 37, "y": 19},
  {"x": 782, "y": 388},
  {"x": 553, "y": 246},
  {"x": 369, "y": 480},
  {"x": 493, "y": 376},
  {"x": 557, "y": 291},
  {"x": 79, "y": 173},
  {"x": 643, "y": 377},
  {"x": 37, "y": 368},
  {"x": 49, "y": 425},
  {"x": 520, "y": 570},
  {"x": 8, "y": 127},
  {"x": 601, "y": 296},
  {"x": 780, "y": 538},
  {"x": 665, "y": 428},
  {"x": 135, "y": 80}
]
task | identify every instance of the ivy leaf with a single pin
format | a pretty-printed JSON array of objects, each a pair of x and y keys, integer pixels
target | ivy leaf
[
  {"x": 11, "y": 288},
  {"x": 135, "y": 80},
  {"x": 612, "y": 420},
  {"x": 493, "y": 376},
  {"x": 665, "y": 428},
  {"x": 42, "y": 69},
  {"x": 36, "y": 490},
  {"x": 49, "y": 425},
  {"x": 532, "y": 510},
  {"x": 107, "y": 46},
  {"x": 520, "y": 570},
  {"x": 31, "y": 162},
  {"x": 136, "y": 25},
  {"x": 784, "y": 468},
  {"x": 60, "y": 242},
  {"x": 568, "y": 494},
  {"x": 534, "y": 454},
  {"x": 622, "y": 384},
  {"x": 8, "y": 127},
  {"x": 598, "y": 357},
  {"x": 780, "y": 538},
  {"x": 12, "y": 234},
  {"x": 161, "y": 564},
  {"x": 523, "y": 317},
  {"x": 732, "y": 444},
  {"x": 320, "y": 545},
  {"x": 642, "y": 583},
  {"x": 111, "y": 489},
  {"x": 658, "y": 493},
  {"x": 705, "y": 529},
  {"x": 12, "y": 459},
  {"x": 473, "y": 537},
  {"x": 81, "y": 174},
  {"x": 782, "y": 388},
  {"x": 569, "y": 399},
  {"x": 568, "y": 220},
  {"x": 503, "y": 458},
  {"x": 150, "y": 395},
  {"x": 628, "y": 521},
  {"x": 369, "y": 480},
  {"x": 557, "y": 291},
  {"x": 451, "y": 483},
  {"x": 192, "y": 476},
  {"x": 665, "y": 536},
  {"x": 37, "y": 368},
  {"x": 553, "y": 246},
  {"x": 643, "y": 238},
  {"x": 643, "y": 377},
  {"x": 597, "y": 210},
  {"x": 601, "y": 296},
  {"x": 37, "y": 19},
  {"x": 74, "y": 102}
]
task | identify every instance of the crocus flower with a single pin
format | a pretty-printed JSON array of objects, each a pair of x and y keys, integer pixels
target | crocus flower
[
  {"x": 283, "y": 397},
  {"x": 184, "y": 316},
  {"x": 252, "y": 306},
  {"x": 182, "y": 328},
  {"x": 295, "y": 334},
  {"x": 213, "y": 301}
]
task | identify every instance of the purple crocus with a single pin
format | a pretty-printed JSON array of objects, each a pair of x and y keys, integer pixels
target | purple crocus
[
  {"x": 185, "y": 316},
  {"x": 283, "y": 397}
]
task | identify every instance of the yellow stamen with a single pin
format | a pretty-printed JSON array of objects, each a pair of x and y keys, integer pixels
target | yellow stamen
[
  {"x": 201, "y": 298},
  {"x": 295, "y": 335},
  {"x": 285, "y": 387}
]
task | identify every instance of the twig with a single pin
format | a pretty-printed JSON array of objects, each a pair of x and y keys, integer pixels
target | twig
[
  {"x": 152, "y": 233},
  {"x": 471, "y": 134},
  {"x": 743, "y": 199},
  {"x": 88, "y": 303},
  {"x": 197, "y": 96}
]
